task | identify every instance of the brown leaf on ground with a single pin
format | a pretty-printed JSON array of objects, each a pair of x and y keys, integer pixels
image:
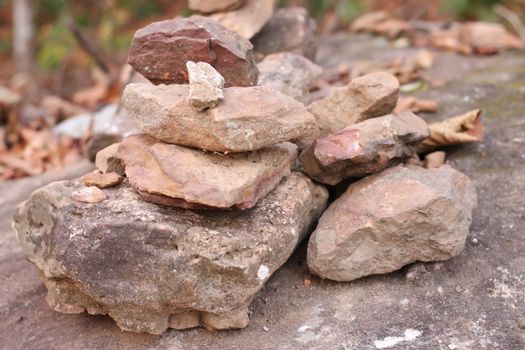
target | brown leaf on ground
[
  {"x": 93, "y": 95},
  {"x": 464, "y": 128},
  {"x": 381, "y": 23},
  {"x": 413, "y": 104}
]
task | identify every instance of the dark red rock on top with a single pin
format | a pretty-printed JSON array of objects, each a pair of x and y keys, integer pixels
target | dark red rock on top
[{"x": 160, "y": 51}]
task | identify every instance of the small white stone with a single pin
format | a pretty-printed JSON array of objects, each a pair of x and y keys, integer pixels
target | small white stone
[
  {"x": 205, "y": 85},
  {"x": 263, "y": 272}
]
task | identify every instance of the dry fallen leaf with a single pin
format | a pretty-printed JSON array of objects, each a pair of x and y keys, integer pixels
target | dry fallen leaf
[
  {"x": 307, "y": 282},
  {"x": 461, "y": 129},
  {"x": 415, "y": 105}
]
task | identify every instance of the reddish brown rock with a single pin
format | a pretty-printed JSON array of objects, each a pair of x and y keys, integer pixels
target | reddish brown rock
[
  {"x": 391, "y": 219},
  {"x": 160, "y": 51},
  {"x": 189, "y": 178},
  {"x": 289, "y": 30},
  {"x": 249, "y": 19},
  {"x": 210, "y": 6},
  {"x": 101, "y": 180},
  {"x": 248, "y": 118},
  {"x": 364, "y": 148},
  {"x": 369, "y": 96}
]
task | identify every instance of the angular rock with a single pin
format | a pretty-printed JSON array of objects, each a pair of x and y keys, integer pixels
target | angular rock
[
  {"x": 205, "y": 85},
  {"x": 249, "y": 19},
  {"x": 109, "y": 161},
  {"x": 364, "y": 148},
  {"x": 369, "y": 96},
  {"x": 151, "y": 267},
  {"x": 210, "y": 6},
  {"x": 160, "y": 51},
  {"x": 290, "y": 29},
  {"x": 391, "y": 219},
  {"x": 188, "y": 178},
  {"x": 248, "y": 119},
  {"x": 89, "y": 195},
  {"x": 101, "y": 180},
  {"x": 288, "y": 73}
]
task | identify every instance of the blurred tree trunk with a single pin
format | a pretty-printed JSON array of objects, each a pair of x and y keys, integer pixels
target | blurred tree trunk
[{"x": 23, "y": 32}]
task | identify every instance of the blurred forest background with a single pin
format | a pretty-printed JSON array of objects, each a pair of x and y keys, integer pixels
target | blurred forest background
[
  {"x": 54, "y": 52},
  {"x": 62, "y": 65}
]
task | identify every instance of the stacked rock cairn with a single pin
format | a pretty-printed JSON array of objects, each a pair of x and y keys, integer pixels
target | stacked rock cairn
[{"x": 181, "y": 226}]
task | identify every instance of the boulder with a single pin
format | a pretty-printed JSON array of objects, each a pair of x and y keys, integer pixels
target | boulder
[
  {"x": 392, "y": 219},
  {"x": 151, "y": 267},
  {"x": 288, "y": 73},
  {"x": 369, "y": 96},
  {"x": 248, "y": 119},
  {"x": 205, "y": 85},
  {"x": 189, "y": 178},
  {"x": 160, "y": 51},
  {"x": 289, "y": 30},
  {"x": 210, "y": 6},
  {"x": 364, "y": 148},
  {"x": 249, "y": 19}
]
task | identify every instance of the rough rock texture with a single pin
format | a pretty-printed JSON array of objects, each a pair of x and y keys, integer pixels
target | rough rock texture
[
  {"x": 289, "y": 73},
  {"x": 248, "y": 119},
  {"x": 151, "y": 267},
  {"x": 249, "y": 19},
  {"x": 205, "y": 85},
  {"x": 290, "y": 29},
  {"x": 189, "y": 178},
  {"x": 364, "y": 148},
  {"x": 108, "y": 160},
  {"x": 210, "y": 6},
  {"x": 101, "y": 180},
  {"x": 391, "y": 219},
  {"x": 160, "y": 51},
  {"x": 369, "y": 96},
  {"x": 89, "y": 195}
]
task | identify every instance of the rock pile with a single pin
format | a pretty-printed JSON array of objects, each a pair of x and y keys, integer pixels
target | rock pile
[{"x": 182, "y": 225}]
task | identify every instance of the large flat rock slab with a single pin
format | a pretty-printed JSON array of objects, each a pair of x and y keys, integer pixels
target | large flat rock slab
[{"x": 152, "y": 267}]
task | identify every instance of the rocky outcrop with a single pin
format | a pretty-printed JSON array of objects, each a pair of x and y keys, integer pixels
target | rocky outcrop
[
  {"x": 248, "y": 119},
  {"x": 364, "y": 148},
  {"x": 151, "y": 267},
  {"x": 391, "y": 219},
  {"x": 289, "y": 30},
  {"x": 189, "y": 178},
  {"x": 160, "y": 51}
]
